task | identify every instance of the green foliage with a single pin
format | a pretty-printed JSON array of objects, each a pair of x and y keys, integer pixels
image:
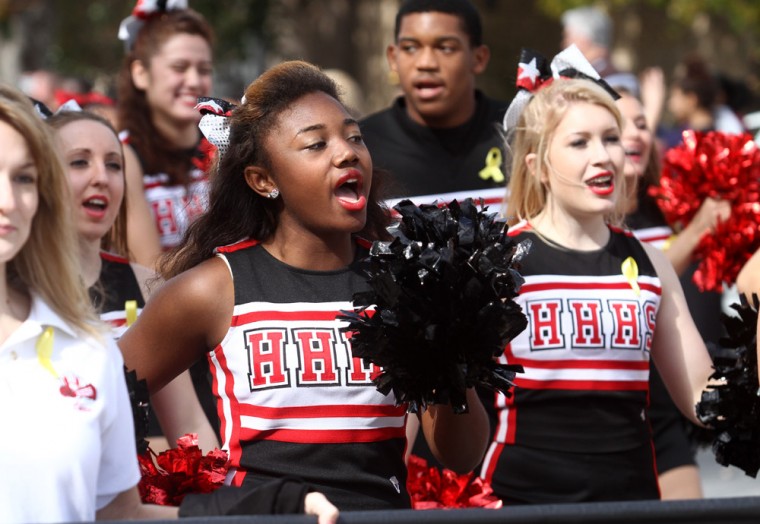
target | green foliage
[{"x": 742, "y": 15}]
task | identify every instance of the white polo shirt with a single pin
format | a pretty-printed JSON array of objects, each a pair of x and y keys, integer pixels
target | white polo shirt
[{"x": 67, "y": 444}]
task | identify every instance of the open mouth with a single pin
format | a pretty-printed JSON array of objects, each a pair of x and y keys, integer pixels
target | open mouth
[
  {"x": 602, "y": 184},
  {"x": 349, "y": 191},
  {"x": 428, "y": 89},
  {"x": 634, "y": 153},
  {"x": 95, "y": 206}
]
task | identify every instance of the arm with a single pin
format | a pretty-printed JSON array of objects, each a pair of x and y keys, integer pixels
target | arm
[
  {"x": 678, "y": 348},
  {"x": 652, "y": 85},
  {"x": 176, "y": 406},
  {"x": 457, "y": 441},
  {"x": 142, "y": 235},
  {"x": 412, "y": 430},
  {"x": 127, "y": 506},
  {"x": 181, "y": 322},
  {"x": 710, "y": 213},
  {"x": 179, "y": 412}
]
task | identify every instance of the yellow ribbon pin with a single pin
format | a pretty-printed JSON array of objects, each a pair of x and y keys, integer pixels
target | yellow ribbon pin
[
  {"x": 130, "y": 309},
  {"x": 493, "y": 166},
  {"x": 44, "y": 347},
  {"x": 631, "y": 273}
]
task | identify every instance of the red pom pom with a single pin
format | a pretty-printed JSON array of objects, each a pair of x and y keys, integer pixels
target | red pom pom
[
  {"x": 431, "y": 488},
  {"x": 717, "y": 165},
  {"x": 172, "y": 474}
]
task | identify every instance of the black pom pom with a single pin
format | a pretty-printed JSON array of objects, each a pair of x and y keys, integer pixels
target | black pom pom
[
  {"x": 732, "y": 408},
  {"x": 139, "y": 399},
  {"x": 441, "y": 306}
]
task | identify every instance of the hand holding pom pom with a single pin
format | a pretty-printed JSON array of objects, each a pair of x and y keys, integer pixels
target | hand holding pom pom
[
  {"x": 441, "y": 305},
  {"x": 712, "y": 167}
]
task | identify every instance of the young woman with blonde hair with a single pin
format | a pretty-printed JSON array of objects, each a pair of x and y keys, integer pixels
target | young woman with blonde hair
[{"x": 598, "y": 304}]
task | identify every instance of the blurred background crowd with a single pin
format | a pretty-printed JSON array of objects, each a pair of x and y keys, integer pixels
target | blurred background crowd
[{"x": 48, "y": 45}]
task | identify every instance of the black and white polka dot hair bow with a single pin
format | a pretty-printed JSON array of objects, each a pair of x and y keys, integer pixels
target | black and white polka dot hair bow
[{"x": 215, "y": 122}]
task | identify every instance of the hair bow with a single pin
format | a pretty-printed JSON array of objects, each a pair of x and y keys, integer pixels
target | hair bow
[
  {"x": 215, "y": 122},
  {"x": 144, "y": 10},
  {"x": 533, "y": 73},
  {"x": 44, "y": 112}
]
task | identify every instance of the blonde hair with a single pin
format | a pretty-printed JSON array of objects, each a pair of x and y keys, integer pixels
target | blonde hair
[
  {"x": 48, "y": 262},
  {"x": 527, "y": 196}
]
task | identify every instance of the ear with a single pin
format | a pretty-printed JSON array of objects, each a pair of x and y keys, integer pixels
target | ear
[
  {"x": 140, "y": 75},
  {"x": 531, "y": 162},
  {"x": 481, "y": 57},
  {"x": 390, "y": 55},
  {"x": 259, "y": 180}
]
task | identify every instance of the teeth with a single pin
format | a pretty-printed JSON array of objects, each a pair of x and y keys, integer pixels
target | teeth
[
  {"x": 600, "y": 181},
  {"x": 96, "y": 202}
]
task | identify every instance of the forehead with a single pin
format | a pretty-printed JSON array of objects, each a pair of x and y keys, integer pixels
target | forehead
[
  {"x": 185, "y": 44},
  {"x": 585, "y": 116},
  {"x": 87, "y": 130},
  {"x": 431, "y": 24},
  {"x": 313, "y": 109},
  {"x": 10, "y": 135},
  {"x": 629, "y": 105}
]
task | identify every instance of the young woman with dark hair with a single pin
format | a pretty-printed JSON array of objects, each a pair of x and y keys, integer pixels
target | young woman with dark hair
[{"x": 257, "y": 286}]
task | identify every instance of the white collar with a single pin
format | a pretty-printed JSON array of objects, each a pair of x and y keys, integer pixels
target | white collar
[{"x": 40, "y": 317}]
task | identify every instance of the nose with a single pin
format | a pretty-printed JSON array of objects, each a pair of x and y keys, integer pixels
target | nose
[
  {"x": 426, "y": 59},
  {"x": 602, "y": 154},
  {"x": 630, "y": 130},
  {"x": 7, "y": 195},
  {"x": 192, "y": 77},
  {"x": 99, "y": 175},
  {"x": 346, "y": 154}
]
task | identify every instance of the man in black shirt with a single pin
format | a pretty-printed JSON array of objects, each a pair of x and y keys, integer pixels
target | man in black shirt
[
  {"x": 441, "y": 139},
  {"x": 442, "y": 135}
]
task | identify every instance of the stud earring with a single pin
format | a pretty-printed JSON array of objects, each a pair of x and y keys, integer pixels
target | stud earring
[{"x": 273, "y": 194}]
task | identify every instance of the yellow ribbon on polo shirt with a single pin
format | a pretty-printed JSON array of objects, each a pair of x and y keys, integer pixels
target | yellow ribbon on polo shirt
[
  {"x": 493, "y": 166},
  {"x": 630, "y": 271},
  {"x": 44, "y": 347}
]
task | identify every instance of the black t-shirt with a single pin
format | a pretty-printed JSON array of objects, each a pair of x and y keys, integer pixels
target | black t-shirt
[{"x": 424, "y": 160}]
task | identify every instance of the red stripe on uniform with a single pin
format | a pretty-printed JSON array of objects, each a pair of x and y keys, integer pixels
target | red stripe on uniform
[
  {"x": 637, "y": 365},
  {"x": 583, "y": 385},
  {"x": 287, "y": 316},
  {"x": 555, "y": 286},
  {"x": 493, "y": 461},
  {"x": 235, "y": 449},
  {"x": 113, "y": 258},
  {"x": 237, "y": 246},
  {"x": 350, "y": 411}
]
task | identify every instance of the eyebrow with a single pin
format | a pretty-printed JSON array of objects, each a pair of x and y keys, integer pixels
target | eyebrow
[
  {"x": 318, "y": 127},
  {"x": 437, "y": 40}
]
